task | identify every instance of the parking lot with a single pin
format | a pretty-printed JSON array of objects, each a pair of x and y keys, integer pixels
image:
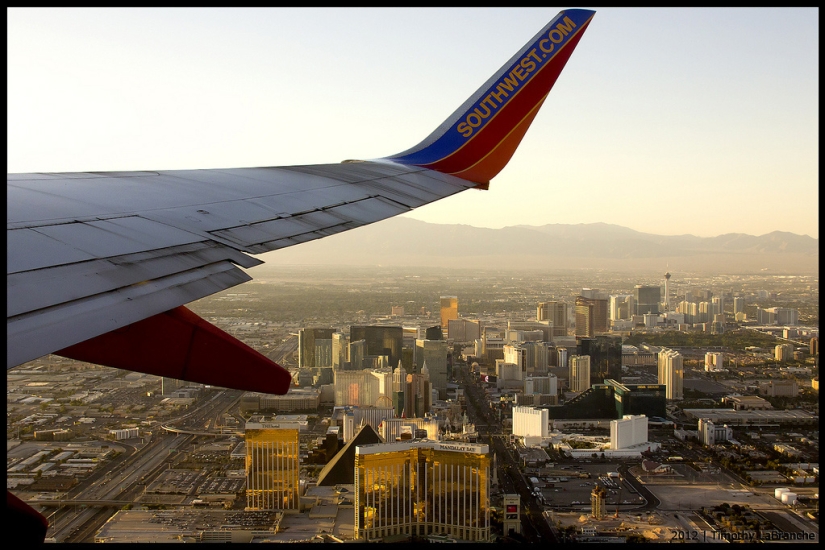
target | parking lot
[{"x": 575, "y": 492}]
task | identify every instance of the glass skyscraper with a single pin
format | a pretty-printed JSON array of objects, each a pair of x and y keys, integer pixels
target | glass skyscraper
[
  {"x": 422, "y": 487},
  {"x": 272, "y": 467}
]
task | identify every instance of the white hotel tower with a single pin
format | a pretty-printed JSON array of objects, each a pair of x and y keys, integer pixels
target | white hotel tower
[{"x": 528, "y": 421}]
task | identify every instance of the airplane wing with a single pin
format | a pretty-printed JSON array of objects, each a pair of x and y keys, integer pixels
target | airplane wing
[{"x": 100, "y": 264}]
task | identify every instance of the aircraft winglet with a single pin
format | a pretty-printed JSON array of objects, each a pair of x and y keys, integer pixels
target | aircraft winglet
[{"x": 478, "y": 139}]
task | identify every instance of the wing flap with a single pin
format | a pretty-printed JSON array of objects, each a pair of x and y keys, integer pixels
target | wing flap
[
  {"x": 79, "y": 241},
  {"x": 271, "y": 235},
  {"x": 43, "y": 288}
]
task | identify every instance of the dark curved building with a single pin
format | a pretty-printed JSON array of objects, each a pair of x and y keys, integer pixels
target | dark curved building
[
  {"x": 381, "y": 340},
  {"x": 613, "y": 400}
]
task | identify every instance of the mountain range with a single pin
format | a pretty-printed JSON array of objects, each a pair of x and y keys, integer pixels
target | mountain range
[{"x": 407, "y": 242}]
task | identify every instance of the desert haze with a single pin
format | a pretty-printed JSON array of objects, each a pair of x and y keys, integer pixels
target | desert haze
[{"x": 409, "y": 242}]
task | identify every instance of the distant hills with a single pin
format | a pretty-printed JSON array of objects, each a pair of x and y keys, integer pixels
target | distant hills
[{"x": 407, "y": 242}]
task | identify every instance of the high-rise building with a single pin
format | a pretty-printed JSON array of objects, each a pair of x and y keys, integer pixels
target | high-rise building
[
  {"x": 562, "y": 359},
  {"x": 605, "y": 353},
  {"x": 591, "y": 316},
  {"x": 315, "y": 347},
  {"x": 705, "y": 312},
  {"x": 449, "y": 311},
  {"x": 422, "y": 487},
  {"x": 783, "y": 352},
  {"x": 777, "y": 316},
  {"x": 363, "y": 388},
  {"x": 584, "y": 317},
  {"x": 630, "y": 430},
  {"x": 647, "y": 299},
  {"x": 718, "y": 303},
  {"x": 532, "y": 356},
  {"x": 579, "y": 373},
  {"x": 515, "y": 355},
  {"x": 714, "y": 361},
  {"x": 357, "y": 352},
  {"x": 530, "y": 422},
  {"x": 464, "y": 330},
  {"x": 738, "y": 305},
  {"x": 272, "y": 467},
  {"x": 785, "y": 315},
  {"x": 667, "y": 291},
  {"x": 593, "y": 294},
  {"x": 417, "y": 394},
  {"x": 399, "y": 386},
  {"x": 434, "y": 354},
  {"x": 509, "y": 375},
  {"x": 671, "y": 373},
  {"x": 541, "y": 385},
  {"x": 555, "y": 313},
  {"x": 492, "y": 345},
  {"x": 690, "y": 311},
  {"x": 620, "y": 307},
  {"x": 340, "y": 350},
  {"x": 381, "y": 341}
]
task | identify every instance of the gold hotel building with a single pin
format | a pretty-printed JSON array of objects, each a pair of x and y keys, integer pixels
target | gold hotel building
[
  {"x": 272, "y": 467},
  {"x": 449, "y": 310},
  {"x": 422, "y": 487}
]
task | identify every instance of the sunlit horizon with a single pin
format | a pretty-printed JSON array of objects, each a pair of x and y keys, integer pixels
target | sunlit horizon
[{"x": 665, "y": 121}]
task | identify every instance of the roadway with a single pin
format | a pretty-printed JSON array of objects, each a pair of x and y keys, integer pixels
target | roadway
[
  {"x": 121, "y": 480},
  {"x": 535, "y": 527}
]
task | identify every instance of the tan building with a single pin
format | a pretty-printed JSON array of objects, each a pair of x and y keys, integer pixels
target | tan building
[
  {"x": 783, "y": 352},
  {"x": 579, "y": 373},
  {"x": 422, "y": 487},
  {"x": 556, "y": 314},
  {"x": 591, "y": 316},
  {"x": 778, "y": 388},
  {"x": 671, "y": 373},
  {"x": 747, "y": 403}
]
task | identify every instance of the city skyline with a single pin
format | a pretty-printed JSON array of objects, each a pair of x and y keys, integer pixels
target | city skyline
[
  {"x": 659, "y": 110},
  {"x": 77, "y": 411}
]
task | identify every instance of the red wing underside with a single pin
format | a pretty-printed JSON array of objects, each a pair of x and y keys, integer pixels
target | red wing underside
[{"x": 179, "y": 344}]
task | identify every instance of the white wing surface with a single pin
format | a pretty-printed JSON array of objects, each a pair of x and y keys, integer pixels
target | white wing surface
[{"x": 92, "y": 252}]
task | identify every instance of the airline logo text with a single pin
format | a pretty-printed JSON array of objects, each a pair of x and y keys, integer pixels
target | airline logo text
[{"x": 518, "y": 74}]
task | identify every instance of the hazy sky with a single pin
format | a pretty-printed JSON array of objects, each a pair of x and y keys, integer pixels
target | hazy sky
[{"x": 669, "y": 121}]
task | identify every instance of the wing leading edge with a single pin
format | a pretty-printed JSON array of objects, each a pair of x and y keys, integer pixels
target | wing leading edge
[{"x": 100, "y": 264}]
